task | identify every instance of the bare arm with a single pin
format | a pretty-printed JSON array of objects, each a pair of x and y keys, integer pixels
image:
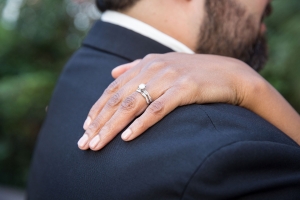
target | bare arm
[
  {"x": 266, "y": 101},
  {"x": 179, "y": 79},
  {"x": 261, "y": 98}
]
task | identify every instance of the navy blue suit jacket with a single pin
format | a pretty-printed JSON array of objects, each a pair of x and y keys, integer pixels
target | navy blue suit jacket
[{"x": 213, "y": 151}]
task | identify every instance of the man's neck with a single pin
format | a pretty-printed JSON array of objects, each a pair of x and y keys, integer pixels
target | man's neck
[
  {"x": 144, "y": 29},
  {"x": 171, "y": 18}
]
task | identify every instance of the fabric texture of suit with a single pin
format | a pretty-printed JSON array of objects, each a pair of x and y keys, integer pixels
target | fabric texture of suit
[{"x": 213, "y": 151}]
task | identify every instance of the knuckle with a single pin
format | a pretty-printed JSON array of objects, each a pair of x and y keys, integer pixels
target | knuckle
[
  {"x": 150, "y": 56},
  {"x": 156, "y": 108},
  {"x": 106, "y": 132},
  {"x": 93, "y": 110},
  {"x": 182, "y": 88},
  {"x": 112, "y": 87},
  {"x": 170, "y": 71},
  {"x": 94, "y": 126},
  {"x": 106, "y": 129},
  {"x": 129, "y": 103},
  {"x": 184, "y": 80},
  {"x": 114, "y": 100},
  {"x": 156, "y": 65},
  {"x": 139, "y": 124}
]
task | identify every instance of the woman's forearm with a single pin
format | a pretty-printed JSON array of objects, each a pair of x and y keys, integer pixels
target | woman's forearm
[{"x": 267, "y": 102}]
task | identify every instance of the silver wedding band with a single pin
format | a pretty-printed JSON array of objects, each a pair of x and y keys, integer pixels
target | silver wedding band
[{"x": 142, "y": 90}]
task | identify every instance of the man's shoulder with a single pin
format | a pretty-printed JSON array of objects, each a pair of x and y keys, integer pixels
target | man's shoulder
[
  {"x": 227, "y": 121},
  {"x": 88, "y": 58},
  {"x": 194, "y": 132},
  {"x": 248, "y": 169},
  {"x": 234, "y": 152}
]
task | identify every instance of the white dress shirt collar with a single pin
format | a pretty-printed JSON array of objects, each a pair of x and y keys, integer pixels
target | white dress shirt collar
[{"x": 145, "y": 30}]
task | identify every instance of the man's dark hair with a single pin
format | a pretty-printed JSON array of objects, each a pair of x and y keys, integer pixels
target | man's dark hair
[{"x": 115, "y": 4}]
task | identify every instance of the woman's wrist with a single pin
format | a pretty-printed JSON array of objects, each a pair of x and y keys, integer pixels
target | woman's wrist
[
  {"x": 263, "y": 99},
  {"x": 254, "y": 88}
]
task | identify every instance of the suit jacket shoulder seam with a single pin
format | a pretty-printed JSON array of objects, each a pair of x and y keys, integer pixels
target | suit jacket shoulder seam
[
  {"x": 212, "y": 153},
  {"x": 211, "y": 121},
  {"x": 203, "y": 161}
]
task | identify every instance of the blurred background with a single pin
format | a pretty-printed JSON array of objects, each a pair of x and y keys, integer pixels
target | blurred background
[{"x": 38, "y": 36}]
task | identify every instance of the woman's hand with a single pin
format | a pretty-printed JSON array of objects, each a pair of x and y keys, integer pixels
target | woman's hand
[{"x": 172, "y": 80}]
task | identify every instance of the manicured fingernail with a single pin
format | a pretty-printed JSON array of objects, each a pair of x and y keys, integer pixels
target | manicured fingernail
[
  {"x": 87, "y": 123},
  {"x": 83, "y": 140},
  {"x": 126, "y": 134},
  {"x": 94, "y": 142}
]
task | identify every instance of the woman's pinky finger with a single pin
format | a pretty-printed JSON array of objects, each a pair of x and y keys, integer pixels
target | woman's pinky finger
[{"x": 154, "y": 113}]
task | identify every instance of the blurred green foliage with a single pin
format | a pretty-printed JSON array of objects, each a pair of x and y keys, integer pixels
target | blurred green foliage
[
  {"x": 283, "y": 68},
  {"x": 32, "y": 54},
  {"x": 35, "y": 48}
]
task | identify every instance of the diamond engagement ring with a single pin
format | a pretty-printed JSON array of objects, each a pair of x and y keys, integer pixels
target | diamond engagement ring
[{"x": 142, "y": 90}]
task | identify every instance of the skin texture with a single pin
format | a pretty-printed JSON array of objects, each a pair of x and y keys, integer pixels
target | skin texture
[
  {"x": 165, "y": 75},
  {"x": 193, "y": 78},
  {"x": 253, "y": 93},
  {"x": 168, "y": 15},
  {"x": 174, "y": 80}
]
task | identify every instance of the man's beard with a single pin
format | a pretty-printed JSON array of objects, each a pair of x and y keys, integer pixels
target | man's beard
[{"x": 228, "y": 31}]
